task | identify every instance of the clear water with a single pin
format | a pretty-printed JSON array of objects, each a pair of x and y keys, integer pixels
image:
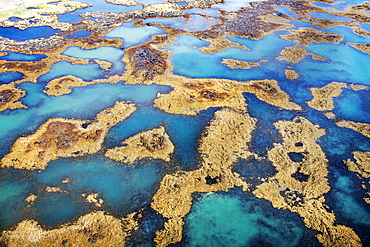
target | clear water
[
  {"x": 286, "y": 10},
  {"x": 321, "y": 5},
  {"x": 185, "y": 141},
  {"x": 87, "y": 72},
  {"x": 230, "y": 5},
  {"x": 218, "y": 219},
  {"x": 353, "y": 105},
  {"x": 124, "y": 188},
  {"x": 110, "y": 54},
  {"x": 342, "y": 65},
  {"x": 82, "y": 103},
  {"x": 16, "y": 56},
  {"x": 79, "y": 34},
  {"x": 191, "y": 62},
  {"x": 13, "y": 190},
  {"x": 29, "y": 33},
  {"x": 322, "y": 15},
  {"x": 345, "y": 199},
  {"x": 7, "y": 77},
  {"x": 132, "y": 35}
]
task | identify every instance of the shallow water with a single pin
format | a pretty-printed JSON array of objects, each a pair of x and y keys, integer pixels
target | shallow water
[
  {"x": 232, "y": 221},
  {"x": 232, "y": 218},
  {"x": 132, "y": 35},
  {"x": 16, "y": 56},
  {"x": 87, "y": 72},
  {"x": 110, "y": 54}
]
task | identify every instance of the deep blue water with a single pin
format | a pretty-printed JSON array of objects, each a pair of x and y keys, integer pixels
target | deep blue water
[
  {"x": 8, "y": 77},
  {"x": 240, "y": 219},
  {"x": 29, "y": 33},
  {"x": 79, "y": 34},
  {"x": 16, "y": 56}
]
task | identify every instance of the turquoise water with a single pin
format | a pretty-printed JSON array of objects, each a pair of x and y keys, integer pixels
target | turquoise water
[
  {"x": 342, "y": 65},
  {"x": 16, "y": 56},
  {"x": 288, "y": 11},
  {"x": 87, "y": 72},
  {"x": 219, "y": 219},
  {"x": 232, "y": 218},
  {"x": 346, "y": 199},
  {"x": 347, "y": 204},
  {"x": 124, "y": 188},
  {"x": 265, "y": 133},
  {"x": 83, "y": 103},
  {"x": 110, "y": 54},
  {"x": 13, "y": 190},
  {"x": 189, "y": 61},
  {"x": 132, "y": 35},
  {"x": 185, "y": 141},
  {"x": 349, "y": 35},
  {"x": 353, "y": 105}
]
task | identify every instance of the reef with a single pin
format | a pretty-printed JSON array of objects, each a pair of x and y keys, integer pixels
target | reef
[
  {"x": 238, "y": 64},
  {"x": 225, "y": 141},
  {"x": 65, "y": 84},
  {"x": 323, "y": 97},
  {"x": 93, "y": 198},
  {"x": 60, "y": 137},
  {"x": 55, "y": 190},
  {"x": 9, "y": 96},
  {"x": 296, "y": 54},
  {"x": 300, "y": 182},
  {"x": 362, "y": 128},
  {"x": 52, "y": 47},
  {"x": 364, "y": 47},
  {"x": 220, "y": 44},
  {"x": 292, "y": 54},
  {"x": 97, "y": 228},
  {"x": 361, "y": 166},
  {"x": 306, "y": 36},
  {"x": 153, "y": 144},
  {"x": 291, "y": 74},
  {"x": 30, "y": 199},
  {"x": 193, "y": 95},
  {"x": 144, "y": 63}
]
